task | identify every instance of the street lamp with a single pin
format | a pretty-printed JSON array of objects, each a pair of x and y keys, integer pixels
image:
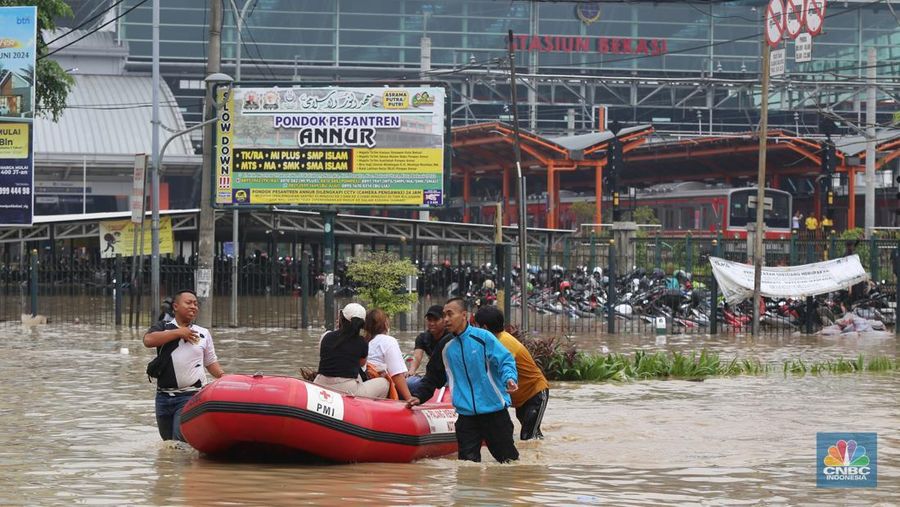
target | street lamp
[
  {"x": 239, "y": 24},
  {"x": 211, "y": 80}
]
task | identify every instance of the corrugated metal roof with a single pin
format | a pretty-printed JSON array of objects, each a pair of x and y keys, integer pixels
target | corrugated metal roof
[
  {"x": 93, "y": 41},
  {"x": 583, "y": 141},
  {"x": 854, "y": 145},
  {"x": 110, "y": 115}
]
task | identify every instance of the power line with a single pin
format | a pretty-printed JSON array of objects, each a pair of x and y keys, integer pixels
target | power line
[
  {"x": 715, "y": 16},
  {"x": 256, "y": 46},
  {"x": 85, "y": 22},
  {"x": 95, "y": 30},
  {"x": 259, "y": 55}
]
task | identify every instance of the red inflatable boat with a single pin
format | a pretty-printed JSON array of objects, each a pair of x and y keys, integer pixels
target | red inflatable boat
[{"x": 262, "y": 412}]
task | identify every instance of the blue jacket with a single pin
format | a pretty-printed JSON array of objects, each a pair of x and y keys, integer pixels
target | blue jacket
[{"x": 478, "y": 367}]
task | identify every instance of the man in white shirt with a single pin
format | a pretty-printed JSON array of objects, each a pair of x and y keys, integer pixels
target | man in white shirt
[{"x": 183, "y": 350}]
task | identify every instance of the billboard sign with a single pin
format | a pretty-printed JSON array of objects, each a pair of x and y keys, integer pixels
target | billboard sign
[
  {"x": 344, "y": 145},
  {"x": 119, "y": 237},
  {"x": 18, "y": 32}
]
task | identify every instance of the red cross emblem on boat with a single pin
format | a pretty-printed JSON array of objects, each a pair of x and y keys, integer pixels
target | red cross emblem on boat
[{"x": 325, "y": 395}]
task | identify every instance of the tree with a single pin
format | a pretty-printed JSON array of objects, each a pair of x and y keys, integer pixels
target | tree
[
  {"x": 53, "y": 84},
  {"x": 382, "y": 281},
  {"x": 645, "y": 215},
  {"x": 584, "y": 213}
]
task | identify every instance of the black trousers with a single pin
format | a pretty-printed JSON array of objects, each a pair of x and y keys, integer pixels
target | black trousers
[
  {"x": 530, "y": 415},
  {"x": 495, "y": 429}
]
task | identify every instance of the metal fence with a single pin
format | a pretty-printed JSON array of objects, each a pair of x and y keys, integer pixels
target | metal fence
[{"x": 286, "y": 293}]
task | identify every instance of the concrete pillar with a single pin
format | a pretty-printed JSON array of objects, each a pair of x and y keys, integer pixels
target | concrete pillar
[{"x": 623, "y": 233}]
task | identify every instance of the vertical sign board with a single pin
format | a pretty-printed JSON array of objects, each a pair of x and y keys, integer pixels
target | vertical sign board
[
  {"x": 137, "y": 188},
  {"x": 342, "y": 144},
  {"x": 803, "y": 48},
  {"x": 776, "y": 65},
  {"x": 18, "y": 32}
]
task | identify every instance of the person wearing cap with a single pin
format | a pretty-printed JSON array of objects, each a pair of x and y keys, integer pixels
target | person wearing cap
[
  {"x": 530, "y": 400},
  {"x": 435, "y": 329},
  {"x": 342, "y": 354},
  {"x": 185, "y": 353},
  {"x": 481, "y": 374}
]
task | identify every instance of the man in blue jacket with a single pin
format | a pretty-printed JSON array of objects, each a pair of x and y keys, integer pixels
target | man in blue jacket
[{"x": 481, "y": 372}]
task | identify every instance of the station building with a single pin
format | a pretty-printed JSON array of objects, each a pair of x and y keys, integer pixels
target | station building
[{"x": 687, "y": 70}]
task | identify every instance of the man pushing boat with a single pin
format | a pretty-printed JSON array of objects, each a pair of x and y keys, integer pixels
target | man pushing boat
[{"x": 481, "y": 374}]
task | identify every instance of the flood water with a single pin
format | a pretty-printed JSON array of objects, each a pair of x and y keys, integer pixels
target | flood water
[{"x": 78, "y": 428}]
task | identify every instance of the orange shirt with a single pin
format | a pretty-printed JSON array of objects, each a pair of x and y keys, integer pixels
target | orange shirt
[{"x": 531, "y": 379}]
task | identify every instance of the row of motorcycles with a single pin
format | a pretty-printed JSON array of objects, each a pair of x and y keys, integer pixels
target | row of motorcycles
[{"x": 682, "y": 301}]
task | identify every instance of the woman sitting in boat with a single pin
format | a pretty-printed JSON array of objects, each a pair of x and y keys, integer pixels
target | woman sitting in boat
[
  {"x": 385, "y": 359},
  {"x": 343, "y": 352}
]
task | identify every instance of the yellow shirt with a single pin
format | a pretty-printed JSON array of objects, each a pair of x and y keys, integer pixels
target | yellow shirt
[
  {"x": 812, "y": 224},
  {"x": 531, "y": 379}
]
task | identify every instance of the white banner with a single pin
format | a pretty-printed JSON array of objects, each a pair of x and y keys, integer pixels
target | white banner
[{"x": 736, "y": 279}]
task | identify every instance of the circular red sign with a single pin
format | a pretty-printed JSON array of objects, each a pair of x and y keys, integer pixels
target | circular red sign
[{"x": 775, "y": 21}]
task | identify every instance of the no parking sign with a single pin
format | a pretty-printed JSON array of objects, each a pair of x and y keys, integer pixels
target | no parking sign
[
  {"x": 775, "y": 22},
  {"x": 795, "y": 18},
  {"x": 815, "y": 16}
]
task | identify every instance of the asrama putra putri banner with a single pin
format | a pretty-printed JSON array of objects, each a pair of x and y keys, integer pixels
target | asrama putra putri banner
[
  {"x": 18, "y": 27},
  {"x": 331, "y": 145}
]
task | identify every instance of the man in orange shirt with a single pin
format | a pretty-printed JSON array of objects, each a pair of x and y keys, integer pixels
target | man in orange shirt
[{"x": 530, "y": 400}]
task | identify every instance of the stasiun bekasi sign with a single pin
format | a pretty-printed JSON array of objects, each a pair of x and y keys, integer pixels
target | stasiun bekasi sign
[{"x": 572, "y": 44}]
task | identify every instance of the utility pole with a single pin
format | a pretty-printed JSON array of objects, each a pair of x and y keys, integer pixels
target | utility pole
[
  {"x": 870, "y": 143},
  {"x": 207, "y": 223},
  {"x": 424, "y": 69},
  {"x": 614, "y": 160},
  {"x": 534, "y": 19},
  {"x": 521, "y": 194},
  {"x": 235, "y": 216},
  {"x": 761, "y": 189},
  {"x": 154, "y": 173}
]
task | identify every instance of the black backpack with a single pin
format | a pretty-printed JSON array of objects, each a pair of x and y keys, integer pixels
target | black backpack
[{"x": 162, "y": 361}]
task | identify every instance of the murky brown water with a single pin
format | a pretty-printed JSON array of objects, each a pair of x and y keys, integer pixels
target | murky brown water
[{"x": 78, "y": 427}]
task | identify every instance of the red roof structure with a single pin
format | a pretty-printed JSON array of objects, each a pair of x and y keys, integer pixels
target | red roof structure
[{"x": 485, "y": 150}]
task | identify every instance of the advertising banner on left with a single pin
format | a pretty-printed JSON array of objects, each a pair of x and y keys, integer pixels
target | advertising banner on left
[
  {"x": 117, "y": 237},
  {"x": 18, "y": 32}
]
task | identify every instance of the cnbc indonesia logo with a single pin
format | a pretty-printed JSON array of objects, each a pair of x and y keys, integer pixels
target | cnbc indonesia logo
[{"x": 846, "y": 462}]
